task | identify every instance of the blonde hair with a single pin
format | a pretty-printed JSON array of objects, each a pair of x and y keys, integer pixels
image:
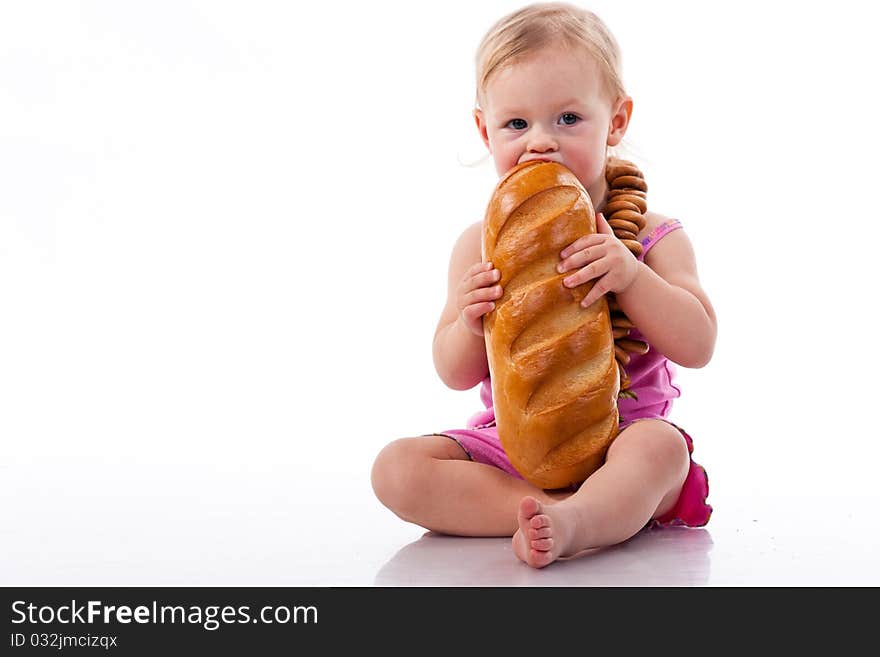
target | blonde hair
[{"x": 537, "y": 26}]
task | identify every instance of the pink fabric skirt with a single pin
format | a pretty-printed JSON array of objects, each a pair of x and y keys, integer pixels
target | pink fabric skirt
[{"x": 482, "y": 445}]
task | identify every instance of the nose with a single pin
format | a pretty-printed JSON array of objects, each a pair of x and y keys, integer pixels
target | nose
[{"x": 541, "y": 141}]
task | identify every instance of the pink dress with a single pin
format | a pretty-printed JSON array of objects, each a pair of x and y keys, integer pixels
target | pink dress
[{"x": 652, "y": 379}]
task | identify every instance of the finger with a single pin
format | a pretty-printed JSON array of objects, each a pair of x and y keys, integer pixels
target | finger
[
  {"x": 482, "y": 294},
  {"x": 581, "y": 243},
  {"x": 582, "y": 257},
  {"x": 476, "y": 268},
  {"x": 596, "y": 293},
  {"x": 602, "y": 226},
  {"x": 588, "y": 273},
  {"x": 475, "y": 326},
  {"x": 475, "y": 311},
  {"x": 485, "y": 278}
]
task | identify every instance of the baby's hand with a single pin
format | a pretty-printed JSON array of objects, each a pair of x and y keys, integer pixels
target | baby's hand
[
  {"x": 476, "y": 295},
  {"x": 599, "y": 255}
]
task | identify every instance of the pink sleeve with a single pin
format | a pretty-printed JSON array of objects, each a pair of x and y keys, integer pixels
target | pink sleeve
[{"x": 657, "y": 234}]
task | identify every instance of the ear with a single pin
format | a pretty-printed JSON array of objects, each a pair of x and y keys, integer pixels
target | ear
[
  {"x": 482, "y": 127},
  {"x": 619, "y": 120}
]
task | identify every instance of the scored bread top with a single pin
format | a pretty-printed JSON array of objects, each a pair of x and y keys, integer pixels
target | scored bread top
[{"x": 554, "y": 376}]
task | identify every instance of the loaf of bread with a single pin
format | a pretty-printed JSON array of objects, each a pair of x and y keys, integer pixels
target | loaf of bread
[{"x": 555, "y": 380}]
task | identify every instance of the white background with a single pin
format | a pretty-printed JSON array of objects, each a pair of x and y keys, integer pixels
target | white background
[{"x": 225, "y": 230}]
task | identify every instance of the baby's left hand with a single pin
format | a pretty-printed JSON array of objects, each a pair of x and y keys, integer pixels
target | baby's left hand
[{"x": 599, "y": 255}]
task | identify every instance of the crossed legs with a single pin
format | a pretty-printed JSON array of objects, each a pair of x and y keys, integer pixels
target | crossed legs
[{"x": 430, "y": 481}]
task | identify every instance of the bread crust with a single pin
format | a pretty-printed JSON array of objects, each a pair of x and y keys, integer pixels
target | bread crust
[{"x": 555, "y": 379}]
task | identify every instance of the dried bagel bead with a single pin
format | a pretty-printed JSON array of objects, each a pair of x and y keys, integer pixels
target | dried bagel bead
[
  {"x": 634, "y": 222},
  {"x": 633, "y": 246},
  {"x": 620, "y": 323},
  {"x": 617, "y": 167},
  {"x": 632, "y": 216},
  {"x": 619, "y": 204},
  {"x": 617, "y": 192},
  {"x": 625, "y": 206},
  {"x": 623, "y": 224},
  {"x": 633, "y": 196},
  {"x": 632, "y": 346},
  {"x": 621, "y": 320},
  {"x": 632, "y": 182}
]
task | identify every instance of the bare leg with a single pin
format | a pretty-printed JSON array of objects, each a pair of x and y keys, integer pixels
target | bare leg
[
  {"x": 430, "y": 481},
  {"x": 641, "y": 479}
]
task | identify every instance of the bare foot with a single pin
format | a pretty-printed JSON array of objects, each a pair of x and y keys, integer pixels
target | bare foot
[{"x": 543, "y": 535}]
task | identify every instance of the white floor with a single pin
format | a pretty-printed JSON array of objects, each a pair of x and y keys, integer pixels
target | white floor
[{"x": 153, "y": 525}]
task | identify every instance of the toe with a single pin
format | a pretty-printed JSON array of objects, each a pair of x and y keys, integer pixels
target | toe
[
  {"x": 542, "y": 544},
  {"x": 543, "y": 532},
  {"x": 539, "y": 521},
  {"x": 528, "y": 507},
  {"x": 539, "y": 559}
]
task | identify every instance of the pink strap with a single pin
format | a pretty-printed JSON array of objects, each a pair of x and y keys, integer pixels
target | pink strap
[{"x": 659, "y": 233}]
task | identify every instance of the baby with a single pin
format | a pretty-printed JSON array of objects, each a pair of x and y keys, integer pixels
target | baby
[{"x": 549, "y": 87}]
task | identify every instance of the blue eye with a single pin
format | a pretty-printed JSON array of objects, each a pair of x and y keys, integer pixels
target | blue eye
[
  {"x": 569, "y": 119},
  {"x": 517, "y": 124}
]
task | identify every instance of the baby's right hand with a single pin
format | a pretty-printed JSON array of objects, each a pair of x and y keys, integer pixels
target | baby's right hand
[{"x": 476, "y": 295}]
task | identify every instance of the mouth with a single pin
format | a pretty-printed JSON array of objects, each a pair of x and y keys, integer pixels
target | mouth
[{"x": 541, "y": 158}]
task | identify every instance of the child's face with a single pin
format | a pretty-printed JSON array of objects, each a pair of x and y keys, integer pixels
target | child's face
[{"x": 552, "y": 105}]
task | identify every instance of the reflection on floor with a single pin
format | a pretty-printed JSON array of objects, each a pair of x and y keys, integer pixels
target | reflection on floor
[{"x": 667, "y": 557}]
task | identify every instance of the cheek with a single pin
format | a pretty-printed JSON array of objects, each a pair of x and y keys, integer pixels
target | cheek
[
  {"x": 505, "y": 156},
  {"x": 590, "y": 167},
  {"x": 591, "y": 159}
]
